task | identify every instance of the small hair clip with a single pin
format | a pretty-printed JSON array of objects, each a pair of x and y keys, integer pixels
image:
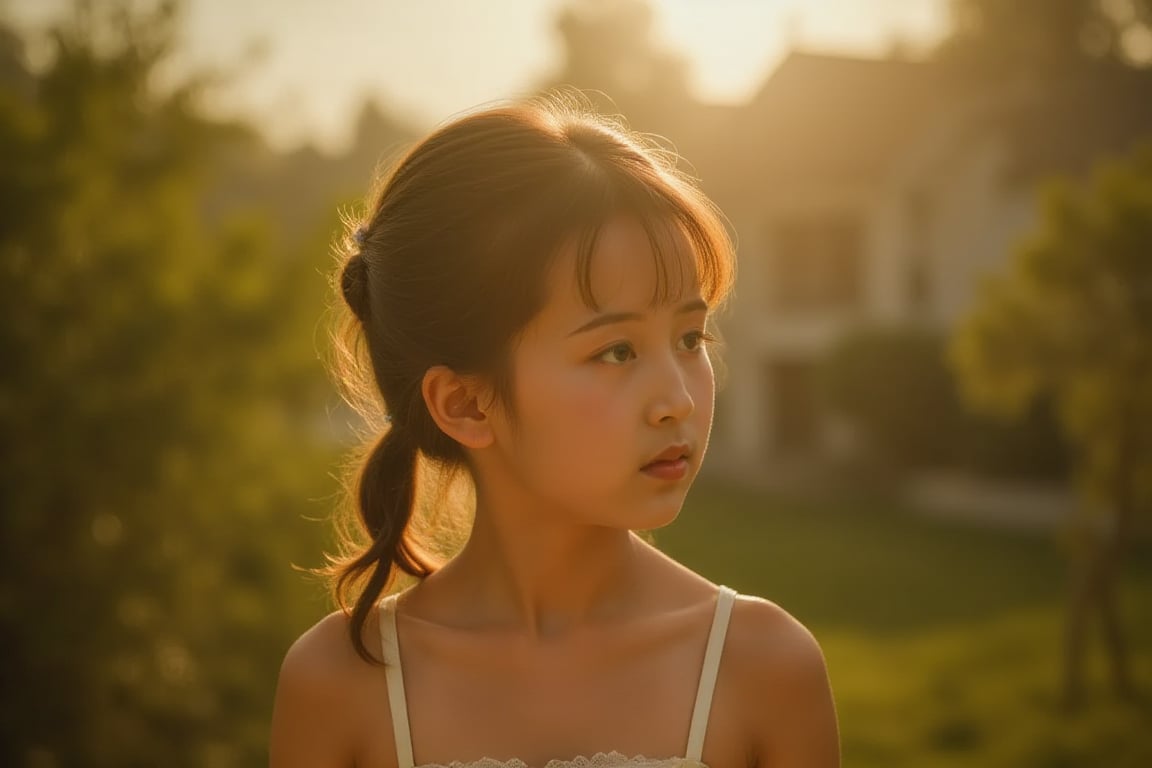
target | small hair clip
[{"x": 360, "y": 236}]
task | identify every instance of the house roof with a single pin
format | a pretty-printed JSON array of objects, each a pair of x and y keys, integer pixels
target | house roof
[{"x": 823, "y": 117}]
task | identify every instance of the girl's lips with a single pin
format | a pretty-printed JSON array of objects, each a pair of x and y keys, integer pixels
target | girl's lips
[
  {"x": 667, "y": 470},
  {"x": 672, "y": 453}
]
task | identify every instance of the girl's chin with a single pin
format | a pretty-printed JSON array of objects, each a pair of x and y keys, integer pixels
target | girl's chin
[{"x": 657, "y": 514}]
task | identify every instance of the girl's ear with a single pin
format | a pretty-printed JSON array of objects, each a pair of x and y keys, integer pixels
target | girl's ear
[{"x": 457, "y": 405}]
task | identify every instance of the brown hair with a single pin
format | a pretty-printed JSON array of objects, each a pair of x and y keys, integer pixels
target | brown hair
[{"x": 450, "y": 263}]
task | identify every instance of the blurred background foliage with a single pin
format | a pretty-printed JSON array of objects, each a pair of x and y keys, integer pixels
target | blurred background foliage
[
  {"x": 169, "y": 439},
  {"x": 886, "y": 379},
  {"x": 162, "y": 413}
]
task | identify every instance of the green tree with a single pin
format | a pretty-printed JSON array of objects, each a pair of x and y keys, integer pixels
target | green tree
[
  {"x": 1085, "y": 65},
  {"x": 161, "y": 415},
  {"x": 1072, "y": 319},
  {"x": 893, "y": 384},
  {"x": 1046, "y": 36}
]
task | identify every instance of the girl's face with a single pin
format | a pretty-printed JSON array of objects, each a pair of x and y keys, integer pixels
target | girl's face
[{"x": 613, "y": 406}]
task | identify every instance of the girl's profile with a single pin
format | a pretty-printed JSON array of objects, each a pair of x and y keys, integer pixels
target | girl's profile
[{"x": 529, "y": 302}]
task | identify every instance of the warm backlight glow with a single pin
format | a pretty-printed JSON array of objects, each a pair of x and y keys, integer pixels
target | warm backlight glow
[{"x": 305, "y": 67}]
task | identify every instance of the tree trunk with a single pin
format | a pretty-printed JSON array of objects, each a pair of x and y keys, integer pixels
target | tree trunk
[
  {"x": 1115, "y": 647},
  {"x": 1095, "y": 593},
  {"x": 1094, "y": 597},
  {"x": 1076, "y": 628}
]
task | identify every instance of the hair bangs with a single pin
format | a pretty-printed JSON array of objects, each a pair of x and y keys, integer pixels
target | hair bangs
[{"x": 689, "y": 244}]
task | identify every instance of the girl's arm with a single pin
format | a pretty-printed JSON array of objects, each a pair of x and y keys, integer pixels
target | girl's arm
[
  {"x": 785, "y": 689},
  {"x": 312, "y": 723}
]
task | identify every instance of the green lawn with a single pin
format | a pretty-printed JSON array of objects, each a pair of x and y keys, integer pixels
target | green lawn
[{"x": 942, "y": 640}]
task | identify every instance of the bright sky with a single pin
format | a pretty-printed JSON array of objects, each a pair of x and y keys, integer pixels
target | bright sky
[{"x": 432, "y": 58}]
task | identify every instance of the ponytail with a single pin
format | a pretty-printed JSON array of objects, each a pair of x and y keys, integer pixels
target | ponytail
[{"x": 385, "y": 496}]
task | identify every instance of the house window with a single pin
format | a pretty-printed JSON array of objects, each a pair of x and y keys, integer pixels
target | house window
[{"x": 816, "y": 262}]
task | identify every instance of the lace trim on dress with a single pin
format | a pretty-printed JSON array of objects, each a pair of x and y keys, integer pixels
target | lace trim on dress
[{"x": 611, "y": 759}]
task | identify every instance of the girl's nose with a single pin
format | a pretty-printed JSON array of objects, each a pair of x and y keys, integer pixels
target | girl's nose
[{"x": 672, "y": 400}]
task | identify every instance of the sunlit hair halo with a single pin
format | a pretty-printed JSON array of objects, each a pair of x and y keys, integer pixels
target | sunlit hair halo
[{"x": 479, "y": 209}]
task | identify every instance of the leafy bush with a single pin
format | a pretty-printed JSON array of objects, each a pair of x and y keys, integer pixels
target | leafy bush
[{"x": 895, "y": 387}]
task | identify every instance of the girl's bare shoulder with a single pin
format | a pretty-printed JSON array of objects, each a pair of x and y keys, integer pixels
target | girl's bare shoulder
[
  {"x": 324, "y": 692},
  {"x": 324, "y": 655},
  {"x": 768, "y": 638},
  {"x": 781, "y": 679}
]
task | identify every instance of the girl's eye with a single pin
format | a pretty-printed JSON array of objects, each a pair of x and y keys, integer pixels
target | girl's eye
[
  {"x": 617, "y": 353},
  {"x": 694, "y": 341}
]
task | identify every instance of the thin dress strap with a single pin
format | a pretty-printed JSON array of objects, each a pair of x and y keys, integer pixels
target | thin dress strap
[
  {"x": 708, "y": 672},
  {"x": 395, "y": 677}
]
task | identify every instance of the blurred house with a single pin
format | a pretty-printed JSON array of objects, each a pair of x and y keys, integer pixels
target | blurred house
[{"x": 862, "y": 193}]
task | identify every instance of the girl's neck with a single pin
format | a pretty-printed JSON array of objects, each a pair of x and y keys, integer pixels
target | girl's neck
[{"x": 541, "y": 578}]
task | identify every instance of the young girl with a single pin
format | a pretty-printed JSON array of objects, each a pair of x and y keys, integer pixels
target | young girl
[{"x": 531, "y": 292}]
